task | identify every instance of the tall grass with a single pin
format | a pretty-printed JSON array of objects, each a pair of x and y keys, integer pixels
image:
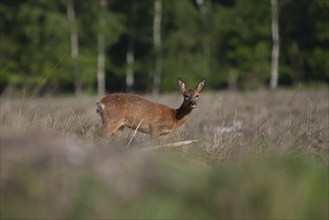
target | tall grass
[{"x": 260, "y": 155}]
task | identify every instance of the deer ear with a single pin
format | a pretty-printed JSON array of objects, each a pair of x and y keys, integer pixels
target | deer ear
[
  {"x": 181, "y": 84},
  {"x": 201, "y": 85}
]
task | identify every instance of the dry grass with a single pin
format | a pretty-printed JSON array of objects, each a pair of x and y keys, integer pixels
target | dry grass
[{"x": 255, "y": 148}]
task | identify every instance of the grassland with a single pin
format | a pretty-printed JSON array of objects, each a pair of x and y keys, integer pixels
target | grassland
[{"x": 260, "y": 155}]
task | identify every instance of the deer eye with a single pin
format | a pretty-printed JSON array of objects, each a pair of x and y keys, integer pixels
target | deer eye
[
  {"x": 186, "y": 97},
  {"x": 197, "y": 96}
]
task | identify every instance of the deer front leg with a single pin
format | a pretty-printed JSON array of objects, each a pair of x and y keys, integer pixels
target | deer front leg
[
  {"x": 111, "y": 128},
  {"x": 155, "y": 133}
]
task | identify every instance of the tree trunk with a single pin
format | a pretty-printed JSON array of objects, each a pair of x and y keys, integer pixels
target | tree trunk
[
  {"x": 131, "y": 47},
  {"x": 101, "y": 49},
  {"x": 276, "y": 45},
  {"x": 74, "y": 47},
  {"x": 130, "y": 70},
  {"x": 233, "y": 79},
  {"x": 157, "y": 46},
  {"x": 206, "y": 50}
]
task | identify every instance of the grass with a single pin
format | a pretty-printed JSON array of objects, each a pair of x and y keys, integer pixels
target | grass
[{"x": 261, "y": 155}]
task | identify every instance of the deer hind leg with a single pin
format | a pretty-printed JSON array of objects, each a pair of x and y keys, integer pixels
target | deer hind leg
[{"x": 110, "y": 126}]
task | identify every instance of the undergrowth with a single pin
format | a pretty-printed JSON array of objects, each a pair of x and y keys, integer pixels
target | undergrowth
[{"x": 259, "y": 154}]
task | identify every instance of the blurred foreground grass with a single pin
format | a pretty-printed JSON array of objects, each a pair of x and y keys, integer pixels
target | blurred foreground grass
[{"x": 261, "y": 155}]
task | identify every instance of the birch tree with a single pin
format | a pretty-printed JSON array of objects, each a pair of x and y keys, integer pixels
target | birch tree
[
  {"x": 74, "y": 46},
  {"x": 157, "y": 46},
  {"x": 101, "y": 49},
  {"x": 130, "y": 57},
  {"x": 276, "y": 45}
]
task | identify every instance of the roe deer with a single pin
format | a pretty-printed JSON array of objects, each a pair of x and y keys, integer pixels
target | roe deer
[{"x": 121, "y": 110}]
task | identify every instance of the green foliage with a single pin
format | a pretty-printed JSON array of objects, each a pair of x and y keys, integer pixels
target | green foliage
[
  {"x": 234, "y": 36},
  {"x": 304, "y": 46},
  {"x": 37, "y": 46},
  {"x": 276, "y": 187}
]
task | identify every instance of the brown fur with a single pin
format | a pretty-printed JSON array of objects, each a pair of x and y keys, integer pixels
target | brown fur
[{"x": 120, "y": 110}]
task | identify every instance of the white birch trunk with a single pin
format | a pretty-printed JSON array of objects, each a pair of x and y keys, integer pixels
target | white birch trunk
[
  {"x": 276, "y": 45},
  {"x": 130, "y": 57},
  {"x": 157, "y": 46},
  {"x": 130, "y": 71},
  {"x": 101, "y": 50}
]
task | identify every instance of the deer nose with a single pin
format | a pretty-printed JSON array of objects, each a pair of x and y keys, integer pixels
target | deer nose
[{"x": 193, "y": 104}]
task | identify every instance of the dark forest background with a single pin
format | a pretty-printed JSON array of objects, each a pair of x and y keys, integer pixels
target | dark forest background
[{"x": 55, "y": 46}]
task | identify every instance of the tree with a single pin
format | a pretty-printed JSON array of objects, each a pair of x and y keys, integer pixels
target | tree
[
  {"x": 74, "y": 46},
  {"x": 172, "y": 38},
  {"x": 240, "y": 38},
  {"x": 101, "y": 49},
  {"x": 130, "y": 57},
  {"x": 157, "y": 46},
  {"x": 183, "y": 43},
  {"x": 204, "y": 20},
  {"x": 276, "y": 45}
]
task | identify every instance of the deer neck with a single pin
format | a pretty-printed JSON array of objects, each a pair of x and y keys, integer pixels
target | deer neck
[{"x": 182, "y": 113}]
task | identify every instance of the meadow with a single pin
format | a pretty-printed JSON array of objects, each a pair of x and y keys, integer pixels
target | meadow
[{"x": 258, "y": 155}]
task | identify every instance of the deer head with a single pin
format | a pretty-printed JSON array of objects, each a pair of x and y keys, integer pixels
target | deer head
[{"x": 190, "y": 95}]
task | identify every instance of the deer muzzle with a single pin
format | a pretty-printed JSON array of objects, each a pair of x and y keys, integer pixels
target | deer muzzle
[{"x": 193, "y": 104}]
